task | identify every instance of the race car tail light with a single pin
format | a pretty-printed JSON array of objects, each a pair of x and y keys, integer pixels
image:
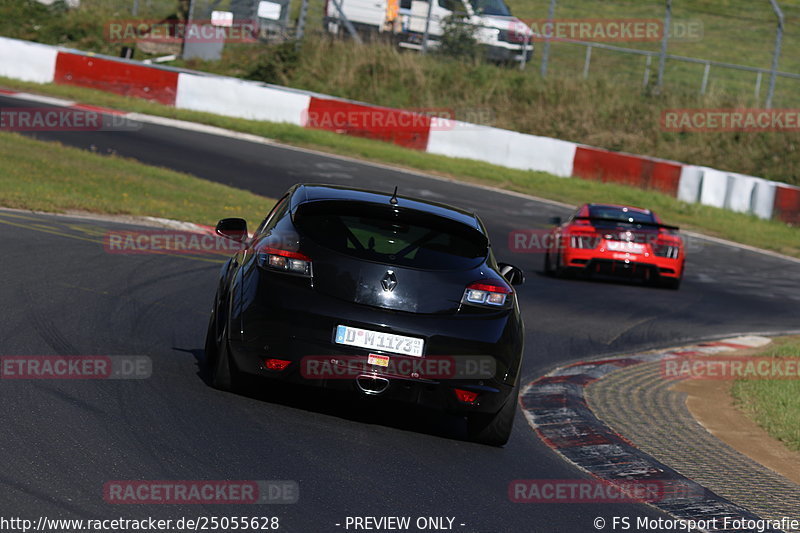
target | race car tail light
[
  {"x": 487, "y": 292},
  {"x": 667, "y": 248},
  {"x": 466, "y": 396},
  {"x": 276, "y": 364},
  {"x": 584, "y": 241},
  {"x": 670, "y": 252},
  {"x": 284, "y": 261}
]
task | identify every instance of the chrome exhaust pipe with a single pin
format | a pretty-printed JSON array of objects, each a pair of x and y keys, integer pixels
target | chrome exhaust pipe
[{"x": 369, "y": 384}]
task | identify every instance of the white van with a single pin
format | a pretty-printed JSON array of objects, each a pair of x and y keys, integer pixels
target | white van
[{"x": 505, "y": 37}]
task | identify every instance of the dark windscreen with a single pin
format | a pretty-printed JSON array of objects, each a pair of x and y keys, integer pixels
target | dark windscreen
[
  {"x": 620, "y": 214},
  {"x": 391, "y": 235},
  {"x": 491, "y": 7}
]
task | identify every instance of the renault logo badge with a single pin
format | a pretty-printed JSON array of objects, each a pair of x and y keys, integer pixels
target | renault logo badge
[{"x": 389, "y": 281}]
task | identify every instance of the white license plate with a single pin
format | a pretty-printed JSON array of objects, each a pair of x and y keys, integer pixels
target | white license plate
[
  {"x": 375, "y": 340},
  {"x": 627, "y": 247}
]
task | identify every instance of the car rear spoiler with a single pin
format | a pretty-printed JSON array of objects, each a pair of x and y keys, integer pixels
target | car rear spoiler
[{"x": 626, "y": 221}]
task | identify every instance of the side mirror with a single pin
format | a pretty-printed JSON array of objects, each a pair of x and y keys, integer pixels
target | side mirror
[
  {"x": 513, "y": 275},
  {"x": 556, "y": 221},
  {"x": 232, "y": 228}
]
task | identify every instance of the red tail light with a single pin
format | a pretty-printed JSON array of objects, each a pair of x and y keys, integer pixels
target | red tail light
[
  {"x": 584, "y": 241},
  {"x": 276, "y": 364},
  {"x": 466, "y": 396},
  {"x": 487, "y": 292},
  {"x": 667, "y": 247},
  {"x": 284, "y": 261}
]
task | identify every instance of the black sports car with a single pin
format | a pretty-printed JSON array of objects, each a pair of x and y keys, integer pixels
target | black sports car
[{"x": 376, "y": 293}]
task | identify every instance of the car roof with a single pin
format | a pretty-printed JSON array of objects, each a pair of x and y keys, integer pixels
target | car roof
[{"x": 312, "y": 192}]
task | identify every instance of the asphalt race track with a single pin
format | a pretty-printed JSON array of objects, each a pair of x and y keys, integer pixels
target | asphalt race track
[{"x": 64, "y": 294}]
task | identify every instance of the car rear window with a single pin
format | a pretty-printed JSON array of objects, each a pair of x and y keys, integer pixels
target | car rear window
[
  {"x": 392, "y": 235},
  {"x": 620, "y": 214}
]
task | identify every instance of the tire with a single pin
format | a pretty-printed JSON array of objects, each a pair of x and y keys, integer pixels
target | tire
[
  {"x": 219, "y": 367},
  {"x": 494, "y": 429},
  {"x": 559, "y": 270},
  {"x": 548, "y": 265},
  {"x": 671, "y": 283}
]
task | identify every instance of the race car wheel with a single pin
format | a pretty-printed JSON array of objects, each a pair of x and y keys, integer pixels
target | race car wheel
[
  {"x": 548, "y": 264},
  {"x": 219, "y": 367}
]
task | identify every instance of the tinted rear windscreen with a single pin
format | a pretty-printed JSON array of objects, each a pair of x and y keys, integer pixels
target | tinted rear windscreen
[
  {"x": 392, "y": 235},
  {"x": 620, "y": 214}
]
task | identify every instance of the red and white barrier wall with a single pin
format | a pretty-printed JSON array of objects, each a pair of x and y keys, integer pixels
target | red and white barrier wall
[
  {"x": 239, "y": 98},
  {"x": 502, "y": 147},
  {"x": 257, "y": 101},
  {"x": 22, "y": 60}
]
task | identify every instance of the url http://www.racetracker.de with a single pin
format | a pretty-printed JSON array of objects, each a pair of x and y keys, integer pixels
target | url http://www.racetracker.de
[{"x": 200, "y": 523}]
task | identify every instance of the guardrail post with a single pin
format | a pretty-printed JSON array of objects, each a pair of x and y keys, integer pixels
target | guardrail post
[
  {"x": 301, "y": 23},
  {"x": 647, "y": 63},
  {"x": 776, "y": 54},
  {"x": 706, "y": 71},
  {"x": 549, "y": 29},
  {"x": 664, "y": 40},
  {"x": 525, "y": 42},
  {"x": 347, "y": 24},
  {"x": 758, "y": 84},
  {"x": 427, "y": 27},
  {"x": 587, "y": 62},
  {"x": 189, "y": 18}
]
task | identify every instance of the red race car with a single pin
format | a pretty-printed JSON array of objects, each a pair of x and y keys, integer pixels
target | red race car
[{"x": 616, "y": 240}]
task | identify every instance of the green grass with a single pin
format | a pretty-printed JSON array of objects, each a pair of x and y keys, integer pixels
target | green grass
[
  {"x": 46, "y": 176},
  {"x": 746, "y": 229},
  {"x": 774, "y": 405}
]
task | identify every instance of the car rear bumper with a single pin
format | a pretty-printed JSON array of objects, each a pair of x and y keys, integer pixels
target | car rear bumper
[
  {"x": 622, "y": 264},
  {"x": 434, "y": 394},
  {"x": 290, "y": 322}
]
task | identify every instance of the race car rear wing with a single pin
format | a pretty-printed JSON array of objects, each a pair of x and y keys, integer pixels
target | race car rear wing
[{"x": 628, "y": 221}]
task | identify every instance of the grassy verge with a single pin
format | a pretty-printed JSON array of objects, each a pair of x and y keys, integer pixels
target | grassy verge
[
  {"x": 774, "y": 405},
  {"x": 718, "y": 222},
  {"x": 46, "y": 176}
]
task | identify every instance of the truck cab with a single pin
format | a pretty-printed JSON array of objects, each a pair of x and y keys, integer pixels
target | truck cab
[{"x": 505, "y": 37}]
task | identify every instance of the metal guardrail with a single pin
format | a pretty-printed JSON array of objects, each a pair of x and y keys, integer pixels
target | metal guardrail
[
  {"x": 663, "y": 55},
  {"x": 650, "y": 54}
]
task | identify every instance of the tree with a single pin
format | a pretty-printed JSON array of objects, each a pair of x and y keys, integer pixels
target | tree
[{"x": 458, "y": 38}]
